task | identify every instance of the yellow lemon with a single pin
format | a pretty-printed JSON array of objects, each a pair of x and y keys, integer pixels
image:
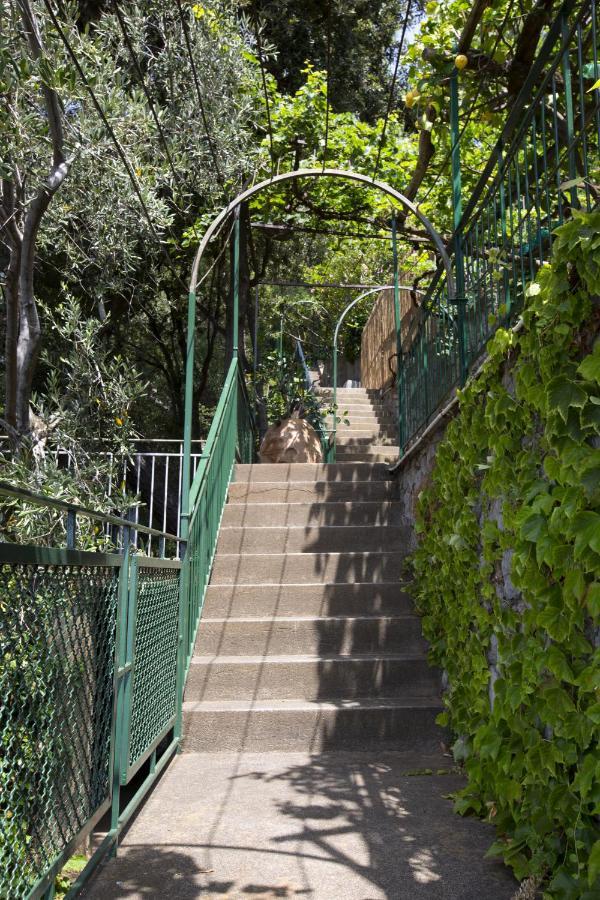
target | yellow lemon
[{"x": 461, "y": 62}]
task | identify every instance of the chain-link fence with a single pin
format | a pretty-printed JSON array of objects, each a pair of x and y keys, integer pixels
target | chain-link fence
[{"x": 90, "y": 685}]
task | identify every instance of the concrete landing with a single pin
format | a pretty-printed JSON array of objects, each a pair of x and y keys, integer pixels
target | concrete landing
[{"x": 337, "y": 826}]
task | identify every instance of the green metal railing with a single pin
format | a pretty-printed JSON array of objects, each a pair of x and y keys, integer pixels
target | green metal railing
[
  {"x": 545, "y": 164},
  {"x": 90, "y": 674},
  {"x": 232, "y": 438},
  {"x": 316, "y": 420}
]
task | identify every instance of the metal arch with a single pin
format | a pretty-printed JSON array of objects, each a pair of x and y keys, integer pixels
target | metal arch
[
  {"x": 347, "y": 174},
  {"x": 339, "y": 324}
]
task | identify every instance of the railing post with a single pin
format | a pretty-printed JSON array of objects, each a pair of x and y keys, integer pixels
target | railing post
[
  {"x": 457, "y": 210},
  {"x": 236, "y": 281},
  {"x": 255, "y": 360},
  {"x": 399, "y": 360},
  {"x": 333, "y": 446},
  {"x": 503, "y": 229},
  {"x": 119, "y": 694},
  {"x": 570, "y": 117},
  {"x": 71, "y": 529}
]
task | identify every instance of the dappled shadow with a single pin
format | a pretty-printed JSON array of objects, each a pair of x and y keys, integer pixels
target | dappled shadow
[{"x": 322, "y": 827}]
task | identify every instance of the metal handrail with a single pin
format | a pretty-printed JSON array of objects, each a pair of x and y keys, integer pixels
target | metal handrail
[{"x": 8, "y": 490}]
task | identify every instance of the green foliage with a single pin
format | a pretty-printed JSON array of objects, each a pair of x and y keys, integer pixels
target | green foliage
[
  {"x": 361, "y": 33},
  {"x": 508, "y": 577},
  {"x": 86, "y": 432}
]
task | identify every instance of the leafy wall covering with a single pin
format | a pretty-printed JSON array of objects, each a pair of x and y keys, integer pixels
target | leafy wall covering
[{"x": 508, "y": 576}]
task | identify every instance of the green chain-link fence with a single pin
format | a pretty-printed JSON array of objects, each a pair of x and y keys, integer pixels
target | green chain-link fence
[{"x": 90, "y": 674}]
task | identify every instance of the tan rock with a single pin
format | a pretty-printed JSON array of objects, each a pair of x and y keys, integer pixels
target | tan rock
[{"x": 292, "y": 440}]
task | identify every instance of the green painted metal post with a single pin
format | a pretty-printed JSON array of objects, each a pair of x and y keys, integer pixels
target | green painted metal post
[
  {"x": 236, "y": 283},
  {"x": 122, "y": 673},
  {"x": 334, "y": 424},
  {"x": 504, "y": 233},
  {"x": 280, "y": 347},
  {"x": 457, "y": 209},
  {"x": 570, "y": 116},
  {"x": 398, "y": 324}
]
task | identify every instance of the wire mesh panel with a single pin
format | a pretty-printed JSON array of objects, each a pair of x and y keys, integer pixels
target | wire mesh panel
[
  {"x": 57, "y": 649},
  {"x": 155, "y": 605}
]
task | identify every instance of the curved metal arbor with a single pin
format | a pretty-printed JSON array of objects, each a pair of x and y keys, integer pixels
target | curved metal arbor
[{"x": 347, "y": 175}]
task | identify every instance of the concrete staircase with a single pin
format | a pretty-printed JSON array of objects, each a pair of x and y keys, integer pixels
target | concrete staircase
[
  {"x": 372, "y": 435},
  {"x": 308, "y": 641}
]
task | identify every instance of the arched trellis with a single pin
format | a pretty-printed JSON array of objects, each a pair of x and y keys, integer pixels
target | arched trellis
[
  {"x": 334, "y": 347},
  {"x": 232, "y": 208}
]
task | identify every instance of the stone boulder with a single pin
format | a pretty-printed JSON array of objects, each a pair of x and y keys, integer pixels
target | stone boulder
[{"x": 292, "y": 440}]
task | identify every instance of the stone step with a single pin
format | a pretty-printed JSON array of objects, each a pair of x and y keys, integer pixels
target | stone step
[
  {"x": 307, "y": 568},
  {"x": 363, "y": 440},
  {"x": 309, "y": 676},
  {"x": 306, "y": 600},
  {"x": 292, "y": 472},
  {"x": 363, "y": 429},
  {"x": 376, "y": 453},
  {"x": 312, "y": 491},
  {"x": 271, "y": 515},
  {"x": 312, "y": 539},
  {"x": 365, "y": 456},
  {"x": 313, "y": 726},
  {"x": 306, "y": 634}
]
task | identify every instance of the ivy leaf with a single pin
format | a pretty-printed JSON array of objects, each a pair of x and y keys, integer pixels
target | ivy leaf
[
  {"x": 556, "y": 662},
  {"x": 562, "y": 393},
  {"x": 533, "y": 527},
  {"x": 593, "y": 598},
  {"x": 586, "y": 528},
  {"x": 594, "y": 864},
  {"x": 590, "y": 367}
]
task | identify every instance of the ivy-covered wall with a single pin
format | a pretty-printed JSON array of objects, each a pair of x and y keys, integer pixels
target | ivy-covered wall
[{"x": 507, "y": 576}]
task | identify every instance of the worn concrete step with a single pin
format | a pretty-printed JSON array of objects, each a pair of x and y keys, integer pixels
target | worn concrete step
[
  {"x": 312, "y": 539},
  {"x": 309, "y": 634},
  {"x": 361, "y": 429},
  {"x": 312, "y": 491},
  {"x": 271, "y": 515},
  {"x": 363, "y": 441},
  {"x": 299, "y": 568},
  {"x": 365, "y": 456},
  {"x": 292, "y": 472},
  {"x": 306, "y": 600},
  {"x": 310, "y": 676},
  {"x": 378, "y": 453},
  {"x": 365, "y": 415},
  {"x": 358, "y": 724}
]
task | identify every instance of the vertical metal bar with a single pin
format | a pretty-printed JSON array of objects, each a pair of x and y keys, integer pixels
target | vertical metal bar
[
  {"x": 280, "y": 349},
  {"x": 570, "y": 118},
  {"x": 118, "y": 716},
  {"x": 151, "y": 509},
  {"x": 236, "y": 282},
  {"x": 584, "y": 136},
  {"x": 129, "y": 664},
  {"x": 71, "y": 529},
  {"x": 457, "y": 218},
  {"x": 137, "y": 491},
  {"x": 255, "y": 360},
  {"x": 161, "y": 551},
  {"x": 334, "y": 405},
  {"x": 398, "y": 325},
  {"x": 189, "y": 407}
]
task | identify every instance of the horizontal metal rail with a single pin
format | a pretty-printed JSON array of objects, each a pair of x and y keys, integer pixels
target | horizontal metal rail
[{"x": 8, "y": 490}]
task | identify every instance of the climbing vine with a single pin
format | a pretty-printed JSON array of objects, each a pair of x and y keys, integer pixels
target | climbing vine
[{"x": 507, "y": 576}]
